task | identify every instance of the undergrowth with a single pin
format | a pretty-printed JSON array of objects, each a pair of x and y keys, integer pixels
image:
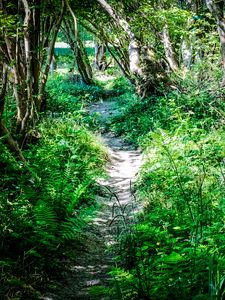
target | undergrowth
[
  {"x": 45, "y": 205},
  {"x": 175, "y": 250},
  {"x": 194, "y": 99}
]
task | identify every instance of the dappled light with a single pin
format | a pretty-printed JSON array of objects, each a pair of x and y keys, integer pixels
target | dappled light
[{"x": 112, "y": 150}]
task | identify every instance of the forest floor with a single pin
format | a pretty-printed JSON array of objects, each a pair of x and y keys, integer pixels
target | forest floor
[{"x": 88, "y": 277}]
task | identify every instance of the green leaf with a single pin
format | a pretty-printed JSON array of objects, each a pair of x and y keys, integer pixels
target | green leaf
[{"x": 173, "y": 258}]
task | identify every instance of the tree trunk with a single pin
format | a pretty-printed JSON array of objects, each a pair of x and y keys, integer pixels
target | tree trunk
[
  {"x": 121, "y": 62},
  {"x": 10, "y": 142},
  {"x": 28, "y": 116},
  {"x": 44, "y": 78},
  {"x": 100, "y": 62},
  {"x": 53, "y": 65},
  {"x": 4, "y": 78},
  {"x": 23, "y": 50},
  {"x": 5, "y": 135},
  {"x": 186, "y": 53},
  {"x": 136, "y": 59},
  {"x": 83, "y": 63},
  {"x": 134, "y": 47},
  {"x": 217, "y": 10},
  {"x": 80, "y": 54},
  {"x": 117, "y": 51},
  {"x": 168, "y": 48},
  {"x": 147, "y": 71}
]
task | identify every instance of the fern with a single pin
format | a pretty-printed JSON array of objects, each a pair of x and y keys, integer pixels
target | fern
[
  {"x": 80, "y": 190},
  {"x": 45, "y": 206},
  {"x": 45, "y": 217},
  {"x": 71, "y": 228}
]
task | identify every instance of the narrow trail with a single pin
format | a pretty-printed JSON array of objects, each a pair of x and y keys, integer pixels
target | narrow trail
[{"x": 89, "y": 277}]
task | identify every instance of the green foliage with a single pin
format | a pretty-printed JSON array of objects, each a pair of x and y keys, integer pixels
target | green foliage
[
  {"x": 118, "y": 86},
  {"x": 98, "y": 292},
  {"x": 176, "y": 248},
  {"x": 178, "y": 242},
  {"x": 44, "y": 206},
  {"x": 73, "y": 94},
  {"x": 66, "y": 94},
  {"x": 196, "y": 104}
]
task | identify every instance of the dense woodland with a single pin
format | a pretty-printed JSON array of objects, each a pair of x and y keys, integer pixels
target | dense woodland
[{"x": 163, "y": 64}]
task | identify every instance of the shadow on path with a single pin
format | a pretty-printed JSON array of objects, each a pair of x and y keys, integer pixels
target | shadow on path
[{"x": 88, "y": 278}]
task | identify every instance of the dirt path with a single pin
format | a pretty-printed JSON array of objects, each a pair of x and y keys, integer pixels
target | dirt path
[{"x": 89, "y": 278}]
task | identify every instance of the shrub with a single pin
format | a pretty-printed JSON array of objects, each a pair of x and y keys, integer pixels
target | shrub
[
  {"x": 176, "y": 248},
  {"x": 44, "y": 205}
]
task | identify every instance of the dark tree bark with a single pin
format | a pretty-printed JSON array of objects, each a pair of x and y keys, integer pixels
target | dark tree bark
[
  {"x": 100, "y": 62},
  {"x": 72, "y": 34},
  {"x": 55, "y": 29},
  {"x": 23, "y": 51},
  {"x": 80, "y": 54},
  {"x": 83, "y": 63},
  {"x": 4, "y": 132}
]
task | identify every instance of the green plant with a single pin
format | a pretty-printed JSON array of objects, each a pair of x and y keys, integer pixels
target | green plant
[
  {"x": 176, "y": 248},
  {"x": 45, "y": 205}
]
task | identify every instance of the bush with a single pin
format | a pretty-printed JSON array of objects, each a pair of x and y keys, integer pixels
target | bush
[
  {"x": 176, "y": 248},
  {"x": 65, "y": 94},
  {"x": 204, "y": 108},
  {"x": 44, "y": 205}
]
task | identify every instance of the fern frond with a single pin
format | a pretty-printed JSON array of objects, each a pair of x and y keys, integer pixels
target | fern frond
[
  {"x": 71, "y": 228},
  {"x": 45, "y": 217}
]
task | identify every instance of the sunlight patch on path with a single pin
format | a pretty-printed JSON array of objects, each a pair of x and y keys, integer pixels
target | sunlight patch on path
[
  {"x": 124, "y": 164},
  {"x": 89, "y": 276}
]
